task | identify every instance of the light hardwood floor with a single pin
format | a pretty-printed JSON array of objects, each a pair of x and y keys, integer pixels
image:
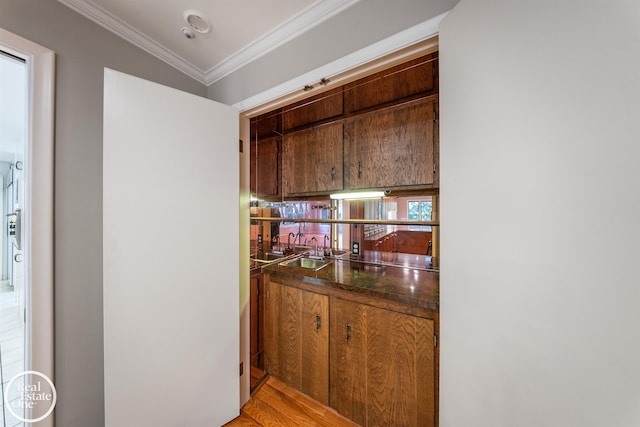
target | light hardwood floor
[{"x": 276, "y": 404}]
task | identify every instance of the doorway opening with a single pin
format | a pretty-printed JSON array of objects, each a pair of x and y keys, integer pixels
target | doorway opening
[
  {"x": 13, "y": 133},
  {"x": 26, "y": 238}
]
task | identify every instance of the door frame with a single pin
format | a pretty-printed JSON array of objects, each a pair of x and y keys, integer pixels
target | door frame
[
  {"x": 38, "y": 203},
  {"x": 404, "y": 46},
  {"x": 408, "y": 44}
]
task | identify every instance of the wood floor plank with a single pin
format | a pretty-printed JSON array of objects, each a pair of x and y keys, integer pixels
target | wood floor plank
[
  {"x": 316, "y": 409},
  {"x": 288, "y": 407},
  {"x": 313, "y": 417},
  {"x": 266, "y": 415},
  {"x": 275, "y": 404},
  {"x": 243, "y": 421}
]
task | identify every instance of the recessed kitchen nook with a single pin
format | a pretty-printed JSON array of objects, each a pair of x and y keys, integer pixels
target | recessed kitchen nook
[{"x": 345, "y": 245}]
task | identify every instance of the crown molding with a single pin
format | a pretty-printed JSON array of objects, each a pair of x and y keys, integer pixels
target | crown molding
[
  {"x": 315, "y": 14},
  {"x": 133, "y": 36},
  {"x": 290, "y": 29},
  {"x": 405, "y": 44}
]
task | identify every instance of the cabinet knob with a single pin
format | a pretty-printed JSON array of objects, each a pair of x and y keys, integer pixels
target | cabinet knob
[
  {"x": 359, "y": 170},
  {"x": 347, "y": 332},
  {"x": 317, "y": 322},
  {"x": 333, "y": 172}
]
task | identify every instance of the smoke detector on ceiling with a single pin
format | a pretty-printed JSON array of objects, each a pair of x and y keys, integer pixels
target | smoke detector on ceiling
[
  {"x": 196, "y": 21},
  {"x": 187, "y": 33}
]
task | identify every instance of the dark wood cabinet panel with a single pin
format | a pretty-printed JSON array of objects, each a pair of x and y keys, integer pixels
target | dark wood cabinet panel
[
  {"x": 393, "y": 147},
  {"x": 264, "y": 167},
  {"x": 412, "y": 78},
  {"x": 382, "y": 366},
  {"x": 348, "y": 368},
  {"x": 386, "y": 124},
  {"x": 297, "y": 339},
  {"x": 314, "y": 329},
  {"x": 256, "y": 341},
  {"x": 398, "y": 372},
  {"x": 314, "y": 109},
  {"x": 267, "y": 125},
  {"x": 313, "y": 160}
]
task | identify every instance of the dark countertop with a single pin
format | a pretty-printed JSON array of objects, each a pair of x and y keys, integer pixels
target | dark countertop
[{"x": 410, "y": 281}]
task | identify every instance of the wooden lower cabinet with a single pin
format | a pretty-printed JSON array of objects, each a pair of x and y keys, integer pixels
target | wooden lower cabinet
[
  {"x": 372, "y": 365},
  {"x": 382, "y": 366},
  {"x": 256, "y": 303},
  {"x": 297, "y": 339}
]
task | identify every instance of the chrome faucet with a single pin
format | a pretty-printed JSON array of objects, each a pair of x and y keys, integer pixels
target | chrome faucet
[
  {"x": 315, "y": 247},
  {"x": 326, "y": 250},
  {"x": 289, "y": 240},
  {"x": 324, "y": 242}
]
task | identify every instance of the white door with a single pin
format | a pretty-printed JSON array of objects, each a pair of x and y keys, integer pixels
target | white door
[{"x": 171, "y": 275}]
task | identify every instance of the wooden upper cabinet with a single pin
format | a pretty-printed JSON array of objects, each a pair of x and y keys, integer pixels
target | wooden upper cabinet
[
  {"x": 267, "y": 125},
  {"x": 392, "y": 147},
  {"x": 386, "y": 124},
  {"x": 313, "y": 160},
  {"x": 264, "y": 167},
  {"x": 419, "y": 76},
  {"x": 324, "y": 106},
  {"x": 264, "y": 155},
  {"x": 297, "y": 339},
  {"x": 382, "y": 366}
]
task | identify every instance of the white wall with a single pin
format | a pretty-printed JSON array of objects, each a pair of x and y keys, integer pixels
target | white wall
[
  {"x": 82, "y": 49},
  {"x": 364, "y": 23},
  {"x": 540, "y": 201}
]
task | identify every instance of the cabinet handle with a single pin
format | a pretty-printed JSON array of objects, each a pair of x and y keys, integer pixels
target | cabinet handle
[
  {"x": 359, "y": 170},
  {"x": 347, "y": 332},
  {"x": 317, "y": 322},
  {"x": 333, "y": 172}
]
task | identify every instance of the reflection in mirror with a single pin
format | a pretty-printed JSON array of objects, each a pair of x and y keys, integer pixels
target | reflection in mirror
[{"x": 284, "y": 236}]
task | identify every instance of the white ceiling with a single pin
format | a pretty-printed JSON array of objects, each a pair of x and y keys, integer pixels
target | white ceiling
[{"x": 241, "y": 30}]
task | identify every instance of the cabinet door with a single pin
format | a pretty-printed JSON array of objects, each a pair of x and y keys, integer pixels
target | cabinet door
[
  {"x": 297, "y": 341},
  {"x": 400, "y": 369},
  {"x": 415, "y": 77},
  {"x": 348, "y": 364},
  {"x": 312, "y": 160},
  {"x": 392, "y": 147},
  {"x": 314, "y": 341},
  {"x": 382, "y": 366},
  {"x": 264, "y": 165},
  {"x": 317, "y": 108},
  {"x": 188, "y": 331}
]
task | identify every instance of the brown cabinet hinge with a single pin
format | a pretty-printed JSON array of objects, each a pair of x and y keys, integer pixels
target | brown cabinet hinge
[
  {"x": 435, "y": 340},
  {"x": 241, "y": 146}
]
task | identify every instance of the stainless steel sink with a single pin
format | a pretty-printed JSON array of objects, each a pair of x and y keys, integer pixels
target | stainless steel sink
[
  {"x": 268, "y": 256},
  {"x": 306, "y": 263},
  {"x": 263, "y": 259}
]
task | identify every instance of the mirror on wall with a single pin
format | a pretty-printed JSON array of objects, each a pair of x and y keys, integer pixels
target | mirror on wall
[{"x": 392, "y": 233}]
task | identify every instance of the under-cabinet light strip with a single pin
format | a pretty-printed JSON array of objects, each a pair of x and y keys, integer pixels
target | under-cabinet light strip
[{"x": 357, "y": 195}]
